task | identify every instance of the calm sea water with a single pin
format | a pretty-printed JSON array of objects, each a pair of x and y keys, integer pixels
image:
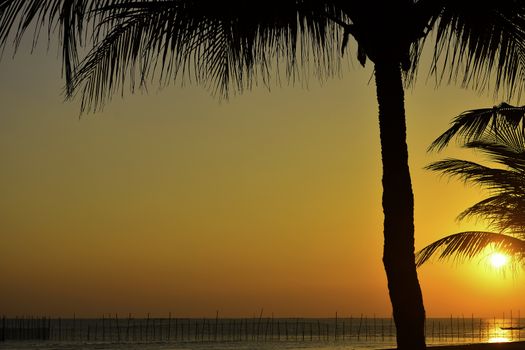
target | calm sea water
[{"x": 246, "y": 333}]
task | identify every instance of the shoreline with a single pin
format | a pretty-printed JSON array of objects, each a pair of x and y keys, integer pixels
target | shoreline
[{"x": 513, "y": 345}]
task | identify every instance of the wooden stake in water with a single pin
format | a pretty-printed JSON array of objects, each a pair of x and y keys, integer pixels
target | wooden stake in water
[
  {"x": 451, "y": 328},
  {"x": 216, "y": 324},
  {"x": 350, "y": 327},
  {"x": 375, "y": 329},
  {"x": 272, "y": 330},
  {"x": 203, "y": 328},
  {"x": 519, "y": 325},
  {"x": 127, "y": 327},
  {"x": 118, "y": 328},
  {"x": 196, "y": 330},
  {"x": 259, "y": 324},
  {"x": 169, "y": 327},
  {"x": 2, "y": 336},
  {"x": 153, "y": 327},
  {"x": 366, "y": 327},
  {"x": 266, "y": 329},
  {"x": 472, "y": 327},
  {"x": 147, "y": 328},
  {"x": 74, "y": 329},
  {"x": 335, "y": 327}
]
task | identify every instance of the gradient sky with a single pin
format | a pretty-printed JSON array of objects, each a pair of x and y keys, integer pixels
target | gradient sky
[{"x": 176, "y": 202}]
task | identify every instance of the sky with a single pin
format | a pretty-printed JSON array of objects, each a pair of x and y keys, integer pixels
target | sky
[{"x": 174, "y": 201}]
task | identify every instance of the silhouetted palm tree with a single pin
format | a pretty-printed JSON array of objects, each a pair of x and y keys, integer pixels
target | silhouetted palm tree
[
  {"x": 227, "y": 45},
  {"x": 498, "y": 133}
]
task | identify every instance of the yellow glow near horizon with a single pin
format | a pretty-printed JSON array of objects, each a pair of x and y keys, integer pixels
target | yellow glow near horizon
[
  {"x": 499, "y": 340},
  {"x": 498, "y": 260},
  {"x": 175, "y": 202}
]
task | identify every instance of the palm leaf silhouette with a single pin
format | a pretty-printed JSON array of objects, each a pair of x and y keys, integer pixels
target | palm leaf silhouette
[
  {"x": 501, "y": 120},
  {"x": 229, "y": 46},
  {"x": 498, "y": 134},
  {"x": 467, "y": 245}
]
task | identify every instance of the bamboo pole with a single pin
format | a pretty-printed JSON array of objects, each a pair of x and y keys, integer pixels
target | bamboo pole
[
  {"x": 127, "y": 327},
  {"x": 359, "y": 329},
  {"x": 259, "y": 324},
  {"x": 350, "y": 327},
  {"x": 273, "y": 328},
  {"x": 366, "y": 327},
  {"x": 154, "y": 328},
  {"x": 472, "y": 327},
  {"x": 176, "y": 329},
  {"x": 335, "y": 327},
  {"x": 451, "y": 328},
  {"x": 146, "y": 327},
  {"x": 118, "y": 328},
  {"x": 74, "y": 327},
  {"x": 196, "y": 329},
  {"x": 480, "y": 329},
  {"x": 216, "y": 324},
  {"x": 168, "y": 336},
  {"x": 203, "y": 328},
  {"x": 103, "y": 328},
  {"x": 375, "y": 328}
]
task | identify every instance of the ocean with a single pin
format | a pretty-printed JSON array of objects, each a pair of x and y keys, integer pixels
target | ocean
[{"x": 242, "y": 333}]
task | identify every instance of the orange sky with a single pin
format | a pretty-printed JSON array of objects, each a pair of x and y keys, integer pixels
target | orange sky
[{"x": 175, "y": 202}]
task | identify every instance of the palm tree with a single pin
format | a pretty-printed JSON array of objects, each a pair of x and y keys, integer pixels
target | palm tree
[
  {"x": 227, "y": 45},
  {"x": 499, "y": 134}
]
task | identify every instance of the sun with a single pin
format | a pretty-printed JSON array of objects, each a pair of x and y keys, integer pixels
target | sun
[{"x": 498, "y": 260}]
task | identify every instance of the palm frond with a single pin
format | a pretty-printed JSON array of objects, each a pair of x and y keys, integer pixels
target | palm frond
[
  {"x": 72, "y": 18},
  {"x": 500, "y": 212},
  {"x": 224, "y": 47},
  {"x": 473, "y": 124},
  {"x": 468, "y": 245},
  {"x": 504, "y": 207},
  {"x": 477, "y": 174},
  {"x": 481, "y": 44},
  {"x": 17, "y": 16},
  {"x": 506, "y": 150}
]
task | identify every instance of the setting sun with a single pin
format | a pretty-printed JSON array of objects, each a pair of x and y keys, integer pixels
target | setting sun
[{"x": 498, "y": 260}]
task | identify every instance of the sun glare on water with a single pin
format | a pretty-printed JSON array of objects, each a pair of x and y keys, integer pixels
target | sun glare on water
[{"x": 498, "y": 260}]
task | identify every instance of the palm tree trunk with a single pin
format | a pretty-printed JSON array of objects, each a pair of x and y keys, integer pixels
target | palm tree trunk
[{"x": 398, "y": 209}]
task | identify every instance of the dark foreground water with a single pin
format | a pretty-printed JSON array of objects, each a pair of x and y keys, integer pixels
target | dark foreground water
[{"x": 242, "y": 333}]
